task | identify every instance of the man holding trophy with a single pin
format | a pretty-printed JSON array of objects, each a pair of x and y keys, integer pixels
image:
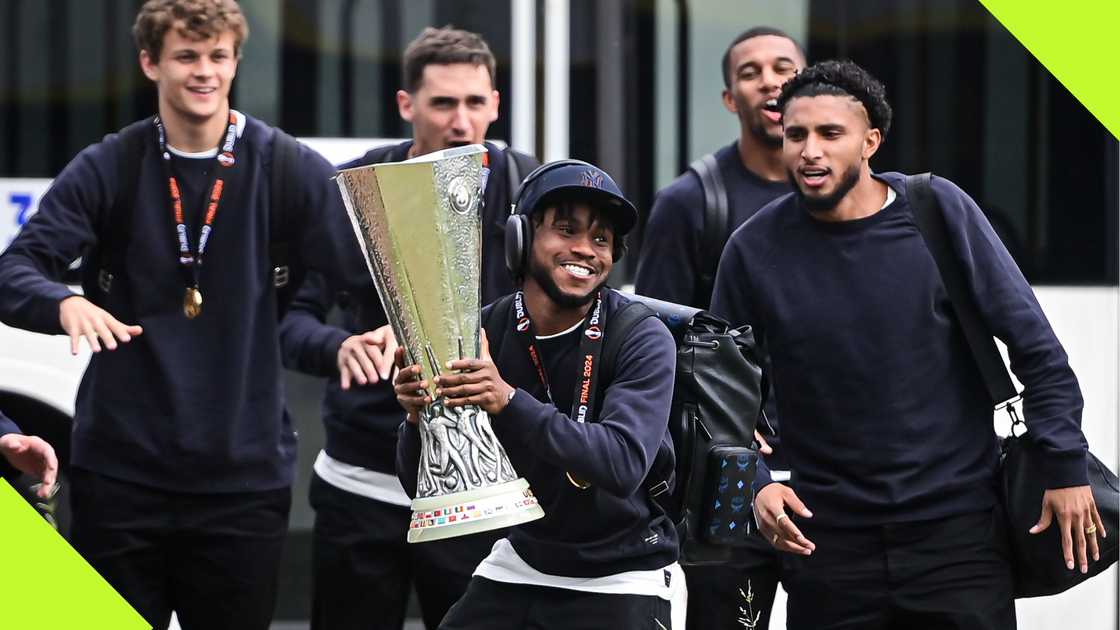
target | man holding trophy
[
  {"x": 604, "y": 555},
  {"x": 363, "y": 569}
]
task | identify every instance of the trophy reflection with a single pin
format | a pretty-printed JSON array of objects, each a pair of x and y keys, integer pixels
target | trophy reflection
[{"x": 419, "y": 226}]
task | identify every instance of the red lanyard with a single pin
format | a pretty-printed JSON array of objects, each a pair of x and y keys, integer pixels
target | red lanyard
[
  {"x": 189, "y": 261},
  {"x": 590, "y": 345}
]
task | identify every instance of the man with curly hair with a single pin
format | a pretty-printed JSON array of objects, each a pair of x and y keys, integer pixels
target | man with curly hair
[
  {"x": 363, "y": 567},
  {"x": 182, "y": 452},
  {"x": 891, "y": 518}
]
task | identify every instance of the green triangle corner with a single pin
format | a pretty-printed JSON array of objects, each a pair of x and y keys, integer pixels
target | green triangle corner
[
  {"x": 45, "y": 584},
  {"x": 1077, "y": 42}
]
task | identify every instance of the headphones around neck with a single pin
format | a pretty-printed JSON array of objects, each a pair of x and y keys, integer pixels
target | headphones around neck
[{"x": 519, "y": 225}]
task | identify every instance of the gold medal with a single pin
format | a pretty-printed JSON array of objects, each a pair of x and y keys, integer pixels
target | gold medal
[
  {"x": 192, "y": 302},
  {"x": 577, "y": 482}
]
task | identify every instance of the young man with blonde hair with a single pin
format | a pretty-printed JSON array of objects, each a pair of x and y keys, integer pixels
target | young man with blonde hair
[{"x": 182, "y": 454}]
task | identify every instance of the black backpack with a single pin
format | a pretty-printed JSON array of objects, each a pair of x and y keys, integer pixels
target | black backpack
[
  {"x": 718, "y": 397},
  {"x": 110, "y": 257},
  {"x": 704, "y": 483}
]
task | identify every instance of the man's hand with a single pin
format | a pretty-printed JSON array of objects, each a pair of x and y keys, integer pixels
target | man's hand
[
  {"x": 476, "y": 383},
  {"x": 31, "y": 455},
  {"x": 81, "y": 318},
  {"x": 412, "y": 393},
  {"x": 763, "y": 446},
  {"x": 1078, "y": 520},
  {"x": 367, "y": 358},
  {"x": 778, "y": 528}
]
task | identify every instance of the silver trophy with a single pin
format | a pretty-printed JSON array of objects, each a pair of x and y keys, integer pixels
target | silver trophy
[{"x": 419, "y": 226}]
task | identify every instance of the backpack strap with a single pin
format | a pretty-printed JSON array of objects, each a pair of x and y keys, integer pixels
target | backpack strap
[
  {"x": 116, "y": 222},
  {"x": 715, "y": 222},
  {"x": 931, "y": 224},
  {"x": 281, "y": 222}
]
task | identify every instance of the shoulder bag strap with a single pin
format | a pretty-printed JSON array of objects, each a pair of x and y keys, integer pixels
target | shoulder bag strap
[{"x": 931, "y": 224}]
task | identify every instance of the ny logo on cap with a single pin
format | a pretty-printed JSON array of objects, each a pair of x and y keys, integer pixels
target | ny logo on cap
[{"x": 592, "y": 179}]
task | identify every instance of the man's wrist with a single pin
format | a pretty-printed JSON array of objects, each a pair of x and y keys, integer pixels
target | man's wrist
[{"x": 507, "y": 398}]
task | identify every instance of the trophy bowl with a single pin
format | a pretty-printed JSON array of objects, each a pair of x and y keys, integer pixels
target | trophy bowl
[{"x": 419, "y": 225}]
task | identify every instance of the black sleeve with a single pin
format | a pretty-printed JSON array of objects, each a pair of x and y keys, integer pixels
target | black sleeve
[
  {"x": 670, "y": 261},
  {"x": 308, "y": 343},
  {"x": 64, "y": 229}
]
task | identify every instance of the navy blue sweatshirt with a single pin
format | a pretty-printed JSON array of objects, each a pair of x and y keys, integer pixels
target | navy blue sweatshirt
[
  {"x": 613, "y": 526},
  {"x": 361, "y": 423},
  {"x": 673, "y": 255},
  {"x": 885, "y": 416},
  {"x": 189, "y": 405}
]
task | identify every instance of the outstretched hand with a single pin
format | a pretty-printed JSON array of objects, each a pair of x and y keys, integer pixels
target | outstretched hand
[
  {"x": 367, "y": 358},
  {"x": 81, "y": 318},
  {"x": 34, "y": 456}
]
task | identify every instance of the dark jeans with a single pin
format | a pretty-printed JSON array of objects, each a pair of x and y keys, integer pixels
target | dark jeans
[
  {"x": 212, "y": 558},
  {"x": 946, "y": 574},
  {"x": 490, "y": 605},
  {"x": 363, "y": 567},
  {"x": 714, "y": 600}
]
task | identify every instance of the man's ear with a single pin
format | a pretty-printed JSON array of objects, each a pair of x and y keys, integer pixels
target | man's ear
[
  {"x": 871, "y": 143},
  {"x": 729, "y": 102},
  {"x": 149, "y": 66},
  {"x": 404, "y": 105},
  {"x": 496, "y": 99}
]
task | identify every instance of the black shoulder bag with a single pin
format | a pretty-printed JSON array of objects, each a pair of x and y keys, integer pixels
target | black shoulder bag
[{"x": 1039, "y": 567}]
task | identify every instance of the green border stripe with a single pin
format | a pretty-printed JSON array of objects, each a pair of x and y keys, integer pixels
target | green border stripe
[
  {"x": 45, "y": 584},
  {"x": 1077, "y": 41}
]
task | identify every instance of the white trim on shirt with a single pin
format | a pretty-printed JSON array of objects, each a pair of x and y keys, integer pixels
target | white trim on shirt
[
  {"x": 504, "y": 565},
  {"x": 200, "y": 155},
  {"x": 361, "y": 481}
]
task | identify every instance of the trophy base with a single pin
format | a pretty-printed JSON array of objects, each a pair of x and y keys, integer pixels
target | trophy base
[{"x": 473, "y": 511}]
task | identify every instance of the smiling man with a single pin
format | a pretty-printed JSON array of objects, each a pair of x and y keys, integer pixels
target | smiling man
[
  {"x": 680, "y": 252},
  {"x": 363, "y": 568},
  {"x": 182, "y": 452},
  {"x": 604, "y": 555},
  {"x": 892, "y": 517}
]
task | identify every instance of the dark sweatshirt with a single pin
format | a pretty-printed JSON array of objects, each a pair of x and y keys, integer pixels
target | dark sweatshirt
[
  {"x": 673, "y": 254},
  {"x": 361, "y": 423},
  {"x": 885, "y": 417},
  {"x": 613, "y": 526},
  {"x": 189, "y": 405}
]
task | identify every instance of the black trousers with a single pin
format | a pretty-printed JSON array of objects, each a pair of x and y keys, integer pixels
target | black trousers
[
  {"x": 490, "y": 605},
  {"x": 714, "y": 598},
  {"x": 212, "y": 558},
  {"x": 363, "y": 566},
  {"x": 947, "y": 574}
]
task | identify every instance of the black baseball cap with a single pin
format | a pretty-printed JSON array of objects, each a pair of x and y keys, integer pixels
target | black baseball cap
[{"x": 576, "y": 180}]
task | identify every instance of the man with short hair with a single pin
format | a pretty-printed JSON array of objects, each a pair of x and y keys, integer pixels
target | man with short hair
[
  {"x": 183, "y": 454},
  {"x": 886, "y": 418},
  {"x": 678, "y": 264},
  {"x": 604, "y": 555},
  {"x": 363, "y": 567}
]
